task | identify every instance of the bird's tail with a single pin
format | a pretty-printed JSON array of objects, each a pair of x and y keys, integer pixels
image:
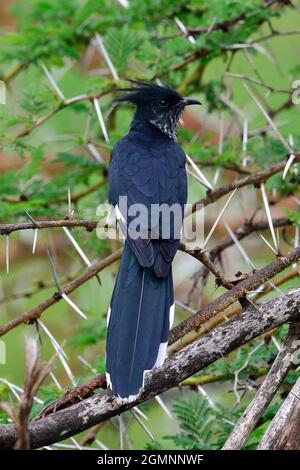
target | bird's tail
[{"x": 139, "y": 319}]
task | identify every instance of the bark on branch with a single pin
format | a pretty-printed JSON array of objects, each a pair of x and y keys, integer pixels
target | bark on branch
[
  {"x": 266, "y": 392},
  {"x": 227, "y": 337},
  {"x": 283, "y": 432}
]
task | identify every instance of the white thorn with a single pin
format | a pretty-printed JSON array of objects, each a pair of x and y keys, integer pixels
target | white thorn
[
  {"x": 69, "y": 201},
  {"x": 142, "y": 424},
  {"x": 95, "y": 153},
  {"x": 239, "y": 246},
  {"x": 86, "y": 363},
  {"x": 12, "y": 388},
  {"x": 185, "y": 307},
  {"x": 218, "y": 219},
  {"x": 7, "y": 253},
  {"x": 199, "y": 172},
  {"x": 245, "y": 135},
  {"x": 184, "y": 30},
  {"x": 67, "y": 369},
  {"x": 101, "y": 120},
  {"x": 232, "y": 106},
  {"x": 197, "y": 178},
  {"x": 101, "y": 445},
  {"x": 269, "y": 216},
  {"x": 35, "y": 235},
  {"x": 16, "y": 390},
  {"x": 277, "y": 344},
  {"x": 53, "y": 83},
  {"x": 221, "y": 133},
  {"x": 106, "y": 57},
  {"x": 163, "y": 406},
  {"x": 55, "y": 344},
  {"x": 141, "y": 413},
  {"x": 78, "y": 447},
  {"x": 56, "y": 381},
  {"x": 121, "y": 431},
  {"x": 74, "y": 306},
  {"x": 206, "y": 396},
  {"x": 216, "y": 176},
  {"x": 270, "y": 121},
  {"x": 124, "y": 3},
  {"x": 288, "y": 165},
  {"x": 77, "y": 247},
  {"x": 268, "y": 244}
]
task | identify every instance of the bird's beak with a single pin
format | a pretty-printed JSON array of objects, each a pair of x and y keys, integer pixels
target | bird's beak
[{"x": 186, "y": 101}]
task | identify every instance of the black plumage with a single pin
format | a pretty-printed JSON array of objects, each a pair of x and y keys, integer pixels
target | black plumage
[{"x": 148, "y": 167}]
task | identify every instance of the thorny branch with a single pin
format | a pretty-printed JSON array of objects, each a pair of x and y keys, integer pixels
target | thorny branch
[
  {"x": 86, "y": 414},
  {"x": 267, "y": 390},
  {"x": 195, "y": 321},
  {"x": 256, "y": 179},
  {"x": 236, "y": 293},
  {"x": 33, "y": 314},
  {"x": 283, "y": 431},
  {"x": 225, "y": 338}
]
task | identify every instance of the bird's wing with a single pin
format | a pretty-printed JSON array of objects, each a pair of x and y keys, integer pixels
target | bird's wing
[{"x": 146, "y": 175}]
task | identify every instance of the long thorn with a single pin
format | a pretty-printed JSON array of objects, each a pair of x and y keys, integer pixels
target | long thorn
[
  {"x": 73, "y": 305},
  {"x": 239, "y": 246},
  {"x": 270, "y": 121},
  {"x": 106, "y": 57},
  {"x": 199, "y": 172},
  {"x": 269, "y": 216},
  {"x": 268, "y": 244},
  {"x": 218, "y": 219},
  {"x": 7, "y": 253},
  {"x": 101, "y": 120},
  {"x": 53, "y": 83}
]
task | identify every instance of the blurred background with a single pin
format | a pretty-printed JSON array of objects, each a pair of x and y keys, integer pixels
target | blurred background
[{"x": 49, "y": 45}]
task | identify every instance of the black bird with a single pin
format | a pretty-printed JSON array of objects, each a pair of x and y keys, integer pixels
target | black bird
[{"x": 148, "y": 167}]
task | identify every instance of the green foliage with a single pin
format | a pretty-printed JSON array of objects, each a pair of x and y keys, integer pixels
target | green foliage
[
  {"x": 294, "y": 216},
  {"x": 197, "y": 421},
  {"x": 50, "y": 140},
  {"x": 121, "y": 45},
  {"x": 89, "y": 333}
]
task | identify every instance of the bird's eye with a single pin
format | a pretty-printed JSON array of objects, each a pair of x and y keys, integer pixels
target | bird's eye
[{"x": 163, "y": 103}]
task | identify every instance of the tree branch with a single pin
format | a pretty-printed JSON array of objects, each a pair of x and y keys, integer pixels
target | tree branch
[
  {"x": 265, "y": 394},
  {"x": 37, "y": 311},
  {"x": 255, "y": 179},
  {"x": 236, "y": 293},
  {"x": 227, "y": 337},
  {"x": 288, "y": 415}
]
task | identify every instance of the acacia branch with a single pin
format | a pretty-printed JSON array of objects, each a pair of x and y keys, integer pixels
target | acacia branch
[
  {"x": 193, "y": 322},
  {"x": 227, "y": 337},
  {"x": 285, "y": 422},
  {"x": 62, "y": 105},
  {"x": 266, "y": 392},
  {"x": 37, "y": 311},
  {"x": 7, "y": 229},
  {"x": 245, "y": 230},
  {"x": 234, "y": 310},
  {"x": 237, "y": 292},
  {"x": 259, "y": 177}
]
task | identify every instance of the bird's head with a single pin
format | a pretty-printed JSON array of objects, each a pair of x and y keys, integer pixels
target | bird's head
[{"x": 160, "y": 105}]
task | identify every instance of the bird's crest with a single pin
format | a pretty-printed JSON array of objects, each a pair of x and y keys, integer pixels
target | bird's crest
[{"x": 143, "y": 92}]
